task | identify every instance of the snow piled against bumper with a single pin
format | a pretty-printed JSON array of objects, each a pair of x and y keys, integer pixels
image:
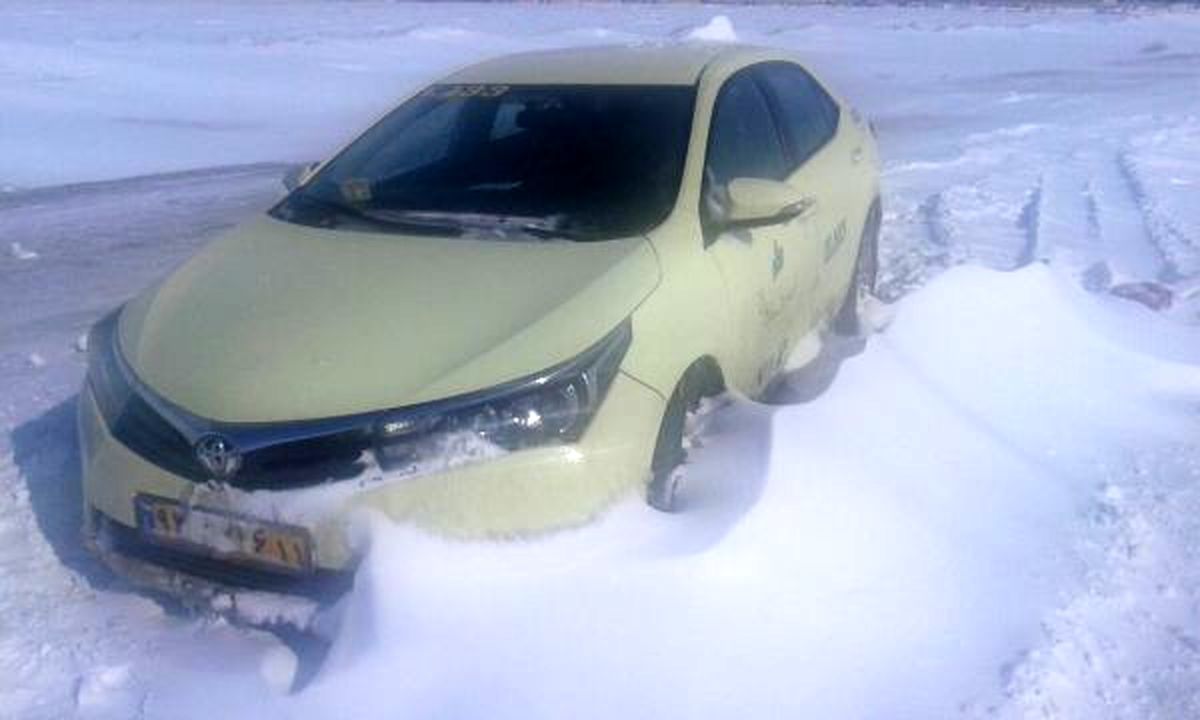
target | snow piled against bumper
[{"x": 878, "y": 552}]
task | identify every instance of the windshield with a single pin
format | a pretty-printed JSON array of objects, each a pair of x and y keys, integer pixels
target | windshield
[{"x": 578, "y": 162}]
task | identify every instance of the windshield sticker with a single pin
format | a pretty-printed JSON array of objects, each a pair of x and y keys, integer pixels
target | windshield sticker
[
  {"x": 356, "y": 190},
  {"x": 465, "y": 91}
]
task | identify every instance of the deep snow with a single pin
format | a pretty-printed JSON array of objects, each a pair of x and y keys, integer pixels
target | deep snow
[
  {"x": 989, "y": 510},
  {"x": 882, "y": 552}
]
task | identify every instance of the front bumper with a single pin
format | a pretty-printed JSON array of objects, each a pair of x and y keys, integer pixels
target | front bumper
[
  {"x": 521, "y": 493},
  {"x": 209, "y": 586}
]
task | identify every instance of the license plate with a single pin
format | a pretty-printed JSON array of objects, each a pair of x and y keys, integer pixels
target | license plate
[{"x": 224, "y": 535}]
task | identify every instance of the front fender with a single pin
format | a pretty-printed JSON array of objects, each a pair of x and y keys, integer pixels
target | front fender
[{"x": 686, "y": 318}]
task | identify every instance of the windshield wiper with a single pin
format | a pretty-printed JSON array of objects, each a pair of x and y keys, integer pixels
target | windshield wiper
[
  {"x": 442, "y": 222},
  {"x": 405, "y": 221},
  {"x": 382, "y": 219},
  {"x": 559, "y": 233},
  {"x": 542, "y": 227}
]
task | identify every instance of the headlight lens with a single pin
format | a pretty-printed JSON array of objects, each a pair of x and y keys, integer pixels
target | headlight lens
[
  {"x": 554, "y": 406},
  {"x": 549, "y": 413}
]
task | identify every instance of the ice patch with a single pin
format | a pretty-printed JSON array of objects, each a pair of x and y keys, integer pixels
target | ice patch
[
  {"x": 20, "y": 253},
  {"x": 1015, "y": 131},
  {"x": 440, "y": 33}
]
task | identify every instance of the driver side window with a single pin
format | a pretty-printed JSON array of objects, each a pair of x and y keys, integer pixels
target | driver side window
[{"x": 743, "y": 141}]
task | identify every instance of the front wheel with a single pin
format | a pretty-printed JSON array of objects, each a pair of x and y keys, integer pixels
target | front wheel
[
  {"x": 662, "y": 493},
  {"x": 848, "y": 320}
]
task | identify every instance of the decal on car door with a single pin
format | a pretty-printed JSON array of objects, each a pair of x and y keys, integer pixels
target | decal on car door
[{"x": 834, "y": 240}]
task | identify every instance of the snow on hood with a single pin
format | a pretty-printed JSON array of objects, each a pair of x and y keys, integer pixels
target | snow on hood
[
  {"x": 276, "y": 321},
  {"x": 875, "y": 553}
]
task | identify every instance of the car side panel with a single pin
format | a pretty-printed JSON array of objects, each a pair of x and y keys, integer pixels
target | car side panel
[{"x": 688, "y": 316}]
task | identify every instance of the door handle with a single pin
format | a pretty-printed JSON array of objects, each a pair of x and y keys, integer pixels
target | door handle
[{"x": 856, "y": 156}]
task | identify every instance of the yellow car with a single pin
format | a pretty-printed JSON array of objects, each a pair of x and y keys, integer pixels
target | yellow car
[{"x": 486, "y": 317}]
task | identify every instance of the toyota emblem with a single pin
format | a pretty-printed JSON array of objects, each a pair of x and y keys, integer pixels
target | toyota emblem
[{"x": 218, "y": 456}]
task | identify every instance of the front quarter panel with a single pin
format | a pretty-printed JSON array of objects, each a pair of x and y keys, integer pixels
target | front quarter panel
[{"x": 686, "y": 318}]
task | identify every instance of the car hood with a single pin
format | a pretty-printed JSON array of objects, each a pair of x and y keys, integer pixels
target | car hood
[{"x": 275, "y": 321}]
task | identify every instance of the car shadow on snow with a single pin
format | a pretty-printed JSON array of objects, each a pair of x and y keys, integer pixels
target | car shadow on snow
[
  {"x": 725, "y": 474},
  {"x": 729, "y": 462},
  {"x": 807, "y": 383},
  {"x": 47, "y": 455},
  {"x": 46, "y": 452}
]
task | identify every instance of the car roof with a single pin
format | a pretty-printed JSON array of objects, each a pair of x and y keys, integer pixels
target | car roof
[{"x": 642, "y": 64}]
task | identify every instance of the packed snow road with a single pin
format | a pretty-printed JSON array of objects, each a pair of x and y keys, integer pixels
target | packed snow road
[{"x": 989, "y": 509}]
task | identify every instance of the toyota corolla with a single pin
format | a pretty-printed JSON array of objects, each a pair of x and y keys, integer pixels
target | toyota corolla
[{"x": 486, "y": 317}]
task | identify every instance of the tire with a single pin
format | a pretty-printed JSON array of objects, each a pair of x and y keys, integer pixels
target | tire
[
  {"x": 662, "y": 492},
  {"x": 848, "y": 320}
]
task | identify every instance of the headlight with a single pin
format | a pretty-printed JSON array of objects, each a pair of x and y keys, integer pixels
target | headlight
[{"x": 553, "y": 406}]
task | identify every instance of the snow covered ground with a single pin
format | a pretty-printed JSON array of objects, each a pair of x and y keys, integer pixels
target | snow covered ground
[{"x": 991, "y": 509}]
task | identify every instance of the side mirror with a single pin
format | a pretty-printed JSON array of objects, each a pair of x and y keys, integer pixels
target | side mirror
[
  {"x": 298, "y": 175},
  {"x": 754, "y": 202}
]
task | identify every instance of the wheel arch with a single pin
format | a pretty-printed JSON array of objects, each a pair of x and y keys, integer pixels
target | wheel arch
[{"x": 706, "y": 369}]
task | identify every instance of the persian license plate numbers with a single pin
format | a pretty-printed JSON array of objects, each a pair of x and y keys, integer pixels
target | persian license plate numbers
[{"x": 223, "y": 535}]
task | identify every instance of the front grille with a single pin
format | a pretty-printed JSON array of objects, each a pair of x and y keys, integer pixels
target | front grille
[
  {"x": 287, "y": 455},
  {"x": 321, "y": 585},
  {"x": 299, "y": 463},
  {"x": 295, "y": 464}
]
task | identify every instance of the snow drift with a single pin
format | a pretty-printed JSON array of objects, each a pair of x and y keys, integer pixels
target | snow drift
[{"x": 879, "y": 552}]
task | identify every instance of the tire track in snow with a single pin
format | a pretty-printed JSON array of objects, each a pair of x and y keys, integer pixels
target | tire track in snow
[
  {"x": 1086, "y": 208},
  {"x": 1066, "y": 227},
  {"x": 1180, "y": 253},
  {"x": 1029, "y": 221},
  {"x": 1092, "y": 215},
  {"x": 976, "y": 222},
  {"x": 933, "y": 213},
  {"x": 1128, "y": 246}
]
